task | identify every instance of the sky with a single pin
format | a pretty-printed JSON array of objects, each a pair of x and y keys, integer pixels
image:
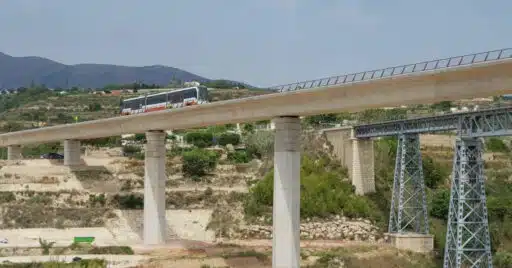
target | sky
[{"x": 261, "y": 42}]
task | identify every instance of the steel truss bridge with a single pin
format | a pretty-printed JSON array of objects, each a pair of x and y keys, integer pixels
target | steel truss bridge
[
  {"x": 467, "y": 238},
  {"x": 482, "y": 123}
]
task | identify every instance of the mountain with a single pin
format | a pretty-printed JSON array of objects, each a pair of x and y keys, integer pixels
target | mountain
[{"x": 22, "y": 71}]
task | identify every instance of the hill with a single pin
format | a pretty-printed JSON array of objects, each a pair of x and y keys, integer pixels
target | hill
[
  {"x": 35, "y": 106},
  {"x": 23, "y": 71}
]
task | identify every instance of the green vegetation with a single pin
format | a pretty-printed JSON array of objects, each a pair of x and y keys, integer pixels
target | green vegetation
[
  {"x": 350, "y": 257},
  {"x": 324, "y": 192},
  {"x": 45, "y": 246},
  {"x": 112, "y": 250},
  {"x": 442, "y": 106},
  {"x": 201, "y": 139},
  {"x": 131, "y": 150},
  {"x": 130, "y": 201},
  {"x": 32, "y": 151},
  {"x": 199, "y": 162},
  {"x": 502, "y": 260},
  {"x": 92, "y": 263},
  {"x": 494, "y": 144},
  {"x": 41, "y": 215},
  {"x": 223, "y": 84},
  {"x": 38, "y": 106},
  {"x": 228, "y": 138},
  {"x": 212, "y": 136},
  {"x": 260, "y": 144},
  {"x": 114, "y": 141},
  {"x": 434, "y": 173},
  {"x": 239, "y": 157}
]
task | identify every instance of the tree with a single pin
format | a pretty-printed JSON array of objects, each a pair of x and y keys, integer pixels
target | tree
[
  {"x": 260, "y": 143},
  {"x": 440, "y": 204},
  {"x": 442, "y": 106},
  {"x": 316, "y": 120},
  {"x": 434, "y": 172},
  {"x": 199, "y": 162},
  {"x": 140, "y": 137},
  {"x": 94, "y": 107}
]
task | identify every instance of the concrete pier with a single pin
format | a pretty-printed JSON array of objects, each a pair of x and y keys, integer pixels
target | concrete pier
[
  {"x": 154, "y": 189},
  {"x": 14, "y": 152},
  {"x": 363, "y": 168},
  {"x": 72, "y": 153},
  {"x": 286, "y": 210},
  {"x": 356, "y": 154}
]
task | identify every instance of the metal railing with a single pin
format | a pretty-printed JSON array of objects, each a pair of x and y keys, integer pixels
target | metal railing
[{"x": 469, "y": 59}]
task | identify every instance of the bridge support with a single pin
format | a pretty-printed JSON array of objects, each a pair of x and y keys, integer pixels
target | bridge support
[
  {"x": 356, "y": 154},
  {"x": 408, "y": 222},
  {"x": 363, "y": 171},
  {"x": 155, "y": 223},
  {"x": 286, "y": 210},
  {"x": 14, "y": 152},
  {"x": 72, "y": 153},
  {"x": 467, "y": 239}
]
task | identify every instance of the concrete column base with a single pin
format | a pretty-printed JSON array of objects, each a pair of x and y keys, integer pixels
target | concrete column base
[
  {"x": 72, "y": 153},
  {"x": 14, "y": 152},
  {"x": 421, "y": 243}
]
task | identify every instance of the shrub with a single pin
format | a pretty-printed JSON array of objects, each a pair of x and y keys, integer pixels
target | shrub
[
  {"x": 502, "y": 260},
  {"x": 228, "y": 138},
  {"x": 45, "y": 246},
  {"x": 433, "y": 172},
  {"x": 11, "y": 126},
  {"x": 130, "y": 201},
  {"x": 113, "y": 141},
  {"x": 113, "y": 250},
  {"x": 201, "y": 139},
  {"x": 37, "y": 150},
  {"x": 239, "y": 157},
  {"x": 199, "y": 162},
  {"x": 97, "y": 200},
  {"x": 323, "y": 193},
  {"x": 440, "y": 204},
  {"x": 140, "y": 137},
  {"x": 248, "y": 129},
  {"x": 260, "y": 144},
  {"x": 130, "y": 150},
  {"x": 94, "y": 107},
  {"x": 496, "y": 145},
  {"x": 6, "y": 197},
  {"x": 89, "y": 263}
]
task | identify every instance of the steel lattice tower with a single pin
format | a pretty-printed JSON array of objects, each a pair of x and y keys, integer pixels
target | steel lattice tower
[
  {"x": 467, "y": 239},
  {"x": 408, "y": 203}
]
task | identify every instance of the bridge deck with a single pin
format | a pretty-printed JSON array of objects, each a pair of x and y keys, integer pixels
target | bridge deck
[
  {"x": 475, "y": 78},
  {"x": 491, "y": 122}
]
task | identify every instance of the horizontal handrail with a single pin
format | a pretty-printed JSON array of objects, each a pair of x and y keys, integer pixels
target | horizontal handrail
[{"x": 437, "y": 64}]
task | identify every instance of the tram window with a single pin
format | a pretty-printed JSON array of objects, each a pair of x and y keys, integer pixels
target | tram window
[
  {"x": 203, "y": 93},
  {"x": 132, "y": 104},
  {"x": 190, "y": 93},
  {"x": 137, "y": 104},
  {"x": 174, "y": 97},
  {"x": 156, "y": 99}
]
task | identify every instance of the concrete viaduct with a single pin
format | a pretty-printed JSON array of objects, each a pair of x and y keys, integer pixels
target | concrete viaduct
[{"x": 469, "y": 76}]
